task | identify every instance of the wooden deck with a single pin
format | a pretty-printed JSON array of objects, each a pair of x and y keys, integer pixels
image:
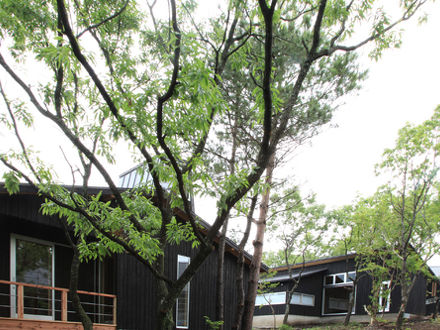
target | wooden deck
[{"x": 9, "y": 324}]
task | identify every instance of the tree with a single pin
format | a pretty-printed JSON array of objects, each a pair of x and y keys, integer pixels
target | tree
[
  {"x": 361, "y": 224},
  {"x": 120, "y": 73},
  {"x": 351, "y": 239},
  {"x": 298, "y": 223},
  {"x": 394, "y": 232},
  {"x": 411, "y": 196}
]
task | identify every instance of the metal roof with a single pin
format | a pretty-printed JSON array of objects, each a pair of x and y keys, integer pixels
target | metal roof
[{"x": 286, "y": 277}]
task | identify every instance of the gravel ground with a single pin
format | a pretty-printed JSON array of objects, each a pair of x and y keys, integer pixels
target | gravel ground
[
  {"x": 427, "y": 324},
  {"x": 422, "y": 325}
]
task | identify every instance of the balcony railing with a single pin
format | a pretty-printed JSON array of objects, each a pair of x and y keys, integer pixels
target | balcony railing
[{"x": 39, "y": 302}]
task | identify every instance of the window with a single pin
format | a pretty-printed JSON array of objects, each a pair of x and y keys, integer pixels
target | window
[
  {"x": 279, "y": 298},
  {"x": 340, "y": 278},
  {"x": 351, "y": 276},
  {"x": 303, "y": 299},
  {"x": 182, "y": 304},
  {"x": 338, "y": 289},
  {"x": 271, "y": 298},
  {"x": 32, "y": 261},
  {"x": 385, "y": 296}
]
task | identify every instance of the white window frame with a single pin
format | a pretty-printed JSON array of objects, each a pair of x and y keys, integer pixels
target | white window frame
[
  {"x": 181, "y": 258},
  {"x": 301, "y": 296},
  {"x": 347, "y": 282},
  {"x": 385, "y": 308},
  {"x": 279, "y": 298},
  {"x": 13, "y": 275},
  {"x": 266, "y": 299}
]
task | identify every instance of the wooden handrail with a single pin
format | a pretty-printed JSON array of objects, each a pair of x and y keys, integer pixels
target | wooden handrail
[
  {"x": 64, "y": 292},
  {"x": 57, "y": 289}
]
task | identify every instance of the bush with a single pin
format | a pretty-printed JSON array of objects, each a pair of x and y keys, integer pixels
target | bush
[{"x": 286, "y": 327}]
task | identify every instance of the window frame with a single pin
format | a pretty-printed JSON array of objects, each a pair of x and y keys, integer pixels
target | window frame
[
  {"x": 265, "y": 298},
  {"x": 181, "y": 259},
  {"x": 388, "y": 298},
  {"x": 347, "y": 282},
  {"x": 13, "y": 274},
  {"x": 301, "y": 296}
]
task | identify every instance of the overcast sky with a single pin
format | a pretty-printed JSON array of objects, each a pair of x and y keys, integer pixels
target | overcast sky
[{"x": 404, "y": 86}]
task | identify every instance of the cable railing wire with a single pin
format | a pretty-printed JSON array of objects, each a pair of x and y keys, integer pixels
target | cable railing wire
[{"x": 98, "y": 309}]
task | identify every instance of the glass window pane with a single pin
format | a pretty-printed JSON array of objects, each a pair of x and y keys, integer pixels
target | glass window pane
[
  {"x": 121, "y": 181},
  {"x": 336, "y": 300},
  {"x": 182, "y": 304},
  {"x": 34, "y": 265},
  {"x": 182, "y": 307},
  {"x": 329, "y": 279},
  {"x": 137, "y": 179},
  {"x": 351, "y": 276},
  {"x": 308, "y": 300},
  {"x": 272, "y": 298},
  {"x": 296, "y": 299},
  {"x": 127, "y": 180},
  {"x": 384, "y": 298},
  {"x": 340, "y": 278},
  {"x": 132, "y": 179}
]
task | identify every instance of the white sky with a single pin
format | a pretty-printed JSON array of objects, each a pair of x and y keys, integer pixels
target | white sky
[{"x": 404, "y": 86}]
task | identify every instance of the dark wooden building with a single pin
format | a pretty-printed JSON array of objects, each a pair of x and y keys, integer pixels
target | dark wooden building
[
  {"x": 118, "y": 291},
  {"x": 323, "y": 294}
]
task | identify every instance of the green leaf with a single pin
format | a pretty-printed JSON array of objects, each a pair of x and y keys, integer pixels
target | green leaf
[{"x": 12, "y": 182}]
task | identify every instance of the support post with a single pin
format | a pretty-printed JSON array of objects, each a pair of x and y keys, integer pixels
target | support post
[
  {"x": 114, "y": 310},
  {"x": 20, "y": 302},
  {"x": 64, "y": 305}
]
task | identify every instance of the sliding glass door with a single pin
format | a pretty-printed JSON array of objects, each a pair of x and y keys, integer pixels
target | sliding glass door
[{"x": 32, "y": 261}]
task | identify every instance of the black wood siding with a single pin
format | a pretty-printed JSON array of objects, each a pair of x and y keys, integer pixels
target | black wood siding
[
  {"x": 19, "y": 215},
  {"x": 312, "y": 284},
  {"x": 131, "y": 281},
  {"x": 417, "y": 297},
  {"x": 137, "y": 300}
]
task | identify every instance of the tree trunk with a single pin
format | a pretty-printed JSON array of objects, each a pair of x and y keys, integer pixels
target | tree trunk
[
  {"x": 258, "y": 250},
  {"x": 291, "y": 291},
  {"x": 168, "y": 293},
  {"x": 353, "y": 290},
  {"x": 350, "y": 305},
  {"x": 287, "y": 309},
  {"x": 74, "y": 271},
  {"x": 239, "y": 280},
  {"x": 435, "y": 313},
  {"x": 73, "y": 285},
  {"x": 220, "y": 287},
  {"x": 165, "y": 319},
  {"x": 405, "y": 289},
  {"x": 240, "y": 293},
  {"x": 399, "y": 320}
]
